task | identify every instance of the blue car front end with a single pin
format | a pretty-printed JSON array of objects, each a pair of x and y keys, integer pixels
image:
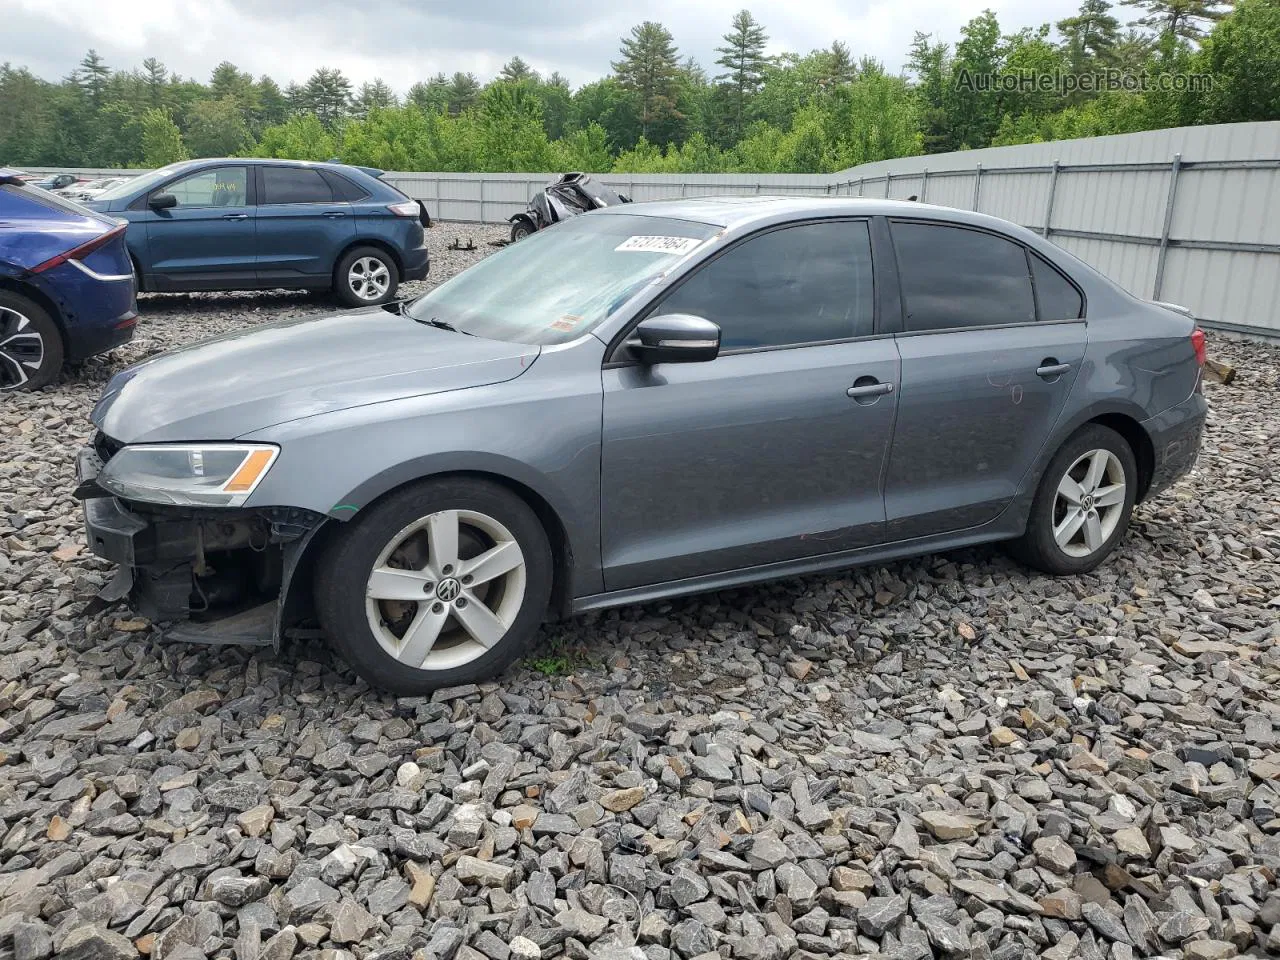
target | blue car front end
[{"x": 66, "y": 284}]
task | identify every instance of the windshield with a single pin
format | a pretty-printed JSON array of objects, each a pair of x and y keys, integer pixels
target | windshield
[
  {"x": 561, "y": 282},
  {"x": 131, "y": 185}
]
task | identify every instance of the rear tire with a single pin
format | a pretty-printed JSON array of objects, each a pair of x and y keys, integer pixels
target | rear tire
[
  {"x": 1083, "y": 504},
  {"x": 521, "y": 229},
  {"x": 403, "y": 595},
  {"x": 31, "y": 351},
  {"x": 365, "y": 277}
]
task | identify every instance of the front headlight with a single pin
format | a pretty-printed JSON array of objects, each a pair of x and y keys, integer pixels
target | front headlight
[{"x": 189, "y": 474}]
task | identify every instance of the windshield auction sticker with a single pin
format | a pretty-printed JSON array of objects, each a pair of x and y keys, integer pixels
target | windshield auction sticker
[{"x": 672, "y": 245}]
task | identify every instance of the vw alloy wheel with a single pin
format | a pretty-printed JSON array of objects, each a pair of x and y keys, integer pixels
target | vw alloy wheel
[
  {"x": 22, "y": 349},
  {"x": 369, "y": 278},
  {"x": 1089, "y": 504},
  {"x": 446, "y": 589}
]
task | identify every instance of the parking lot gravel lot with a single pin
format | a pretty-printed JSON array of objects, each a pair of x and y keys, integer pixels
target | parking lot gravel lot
[{"x": 944, "y": 757}]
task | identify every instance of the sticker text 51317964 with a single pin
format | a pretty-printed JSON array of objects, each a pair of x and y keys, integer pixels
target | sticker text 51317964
[{"x": 668, "y": 245}]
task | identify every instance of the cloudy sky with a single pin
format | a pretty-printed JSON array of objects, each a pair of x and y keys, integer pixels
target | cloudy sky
[{"x": 403, "y": 41}]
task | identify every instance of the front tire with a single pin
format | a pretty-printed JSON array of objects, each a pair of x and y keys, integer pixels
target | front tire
[
  {"x": 365, "y": 277},
  {"x": 442, "y": 583},
  {"x": 1083, "y": 504},
  {"x": 31, "y": 351},
  {"x": 520, "y": 229}
]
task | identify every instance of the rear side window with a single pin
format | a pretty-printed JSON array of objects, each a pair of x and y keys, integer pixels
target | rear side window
[
  {"x": 803, "y": 284},
  {"x": 953, "y": 278},
  {"x": 1055, "y": 295},
  {"x": 294, "y": 185},
  {"x": 343, "y": 189}
]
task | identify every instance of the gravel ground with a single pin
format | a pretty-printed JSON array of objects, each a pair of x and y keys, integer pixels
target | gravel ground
[{"x": 942, "y": 757}]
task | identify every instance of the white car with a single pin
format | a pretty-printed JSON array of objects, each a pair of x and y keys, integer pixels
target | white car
[{"x": 90, "y": 190}]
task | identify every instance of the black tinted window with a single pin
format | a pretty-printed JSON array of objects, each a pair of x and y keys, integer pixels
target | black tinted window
[
  {"x": 294, "y": 185},
  {"x": 952, "y": 277},
  {"x": 800, "y": 284},
  {"x": 343, "y": 189},
  {"x": 1057, "y": 298}
]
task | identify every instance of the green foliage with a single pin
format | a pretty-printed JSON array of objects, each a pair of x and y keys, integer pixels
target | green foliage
[
  {"x": 161, "y": 140},
  {"x": 217, "y": 128},
  {"x": 1241, "y": 54},
  {"x": 791, "y": 113}
]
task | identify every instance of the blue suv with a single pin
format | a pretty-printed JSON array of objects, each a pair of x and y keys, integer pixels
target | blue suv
[
  {"x": 66, "y": 286},
  {"x": 248, "y": 224}
]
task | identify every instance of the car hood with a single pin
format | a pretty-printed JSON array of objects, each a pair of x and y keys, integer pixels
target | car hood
[{"x": 240, "y": 382}]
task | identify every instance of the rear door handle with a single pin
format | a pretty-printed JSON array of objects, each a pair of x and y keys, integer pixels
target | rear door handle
[
  {"x": 1049, "y": 368},
  {"x": 860, "y": 390},
  {"x": 334, "y": 214},
  {"x": 235, "y": 216}
]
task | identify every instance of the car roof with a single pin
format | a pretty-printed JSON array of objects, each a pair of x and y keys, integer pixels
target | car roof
[
  {"x": 276, "y": 162},
  {"x": 746, "y": 211}
]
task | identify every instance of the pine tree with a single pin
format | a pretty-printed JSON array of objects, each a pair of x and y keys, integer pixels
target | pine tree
[
  {"x": 649, "y": 69},
  {"x": 839, "y": 67},
  {"x": 273, "y": 105},
  {"x": 432, "y": 96},
  {"x": 1091, "y": 35},
  {"x": 1184, "y": 19},
  {"x": 155, "y": 76},
  {"x": 92, "y": 76},
  {"x": 464, "y": 90},
  {"x": 743, "y": 58},
  {"x": 328, "y": 95},
  {"x": 516, "y": 70},
  {"x": 373, "y": 96}
]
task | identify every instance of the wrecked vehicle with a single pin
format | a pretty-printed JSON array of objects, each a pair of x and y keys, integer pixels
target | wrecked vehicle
[
  {"x": 654, "y": 400},
  {"x": 572, "y": 194}
]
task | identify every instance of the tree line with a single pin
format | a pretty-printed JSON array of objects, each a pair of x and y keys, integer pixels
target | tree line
[{"x": 659, "y": 111}]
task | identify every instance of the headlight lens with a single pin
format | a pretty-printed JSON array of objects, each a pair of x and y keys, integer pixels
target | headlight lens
[{"x": 198, "y": 474}]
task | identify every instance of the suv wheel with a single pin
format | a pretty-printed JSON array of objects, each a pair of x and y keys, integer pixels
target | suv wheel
[
  {"x": 1083, "y": 504},
  {"x": 365, "y": 277},
  {"x": 521, "y": 229},
  {"x": 30, "y": 344},
  {"x": 444, "y": 582}
]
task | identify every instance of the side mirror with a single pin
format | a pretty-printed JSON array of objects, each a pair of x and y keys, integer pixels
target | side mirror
[
  {"x": 675, "y": 338},
  {"x": 162, "y": 201}
]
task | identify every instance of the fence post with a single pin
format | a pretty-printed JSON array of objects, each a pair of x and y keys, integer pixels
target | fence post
[
  {"x": 888, "y": 181},
  {"x": 482, "y": 183},
  {"x": 924, "y": 183},
  {"x": 1174, "y": 168},
  {"x": 977, "y": 186},
  {"x": 1048, "y": 207}
]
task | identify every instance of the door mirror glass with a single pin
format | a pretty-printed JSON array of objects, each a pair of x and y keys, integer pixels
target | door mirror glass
[
  {"x": 675, "y": 338},
  {"x": 162, "y": 201}
]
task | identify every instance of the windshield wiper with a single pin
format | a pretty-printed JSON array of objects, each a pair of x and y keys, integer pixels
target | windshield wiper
[{"x": 441, "y": 325}]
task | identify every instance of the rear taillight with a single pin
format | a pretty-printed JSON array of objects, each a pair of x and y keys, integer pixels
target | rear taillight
[
  {"x": 82, "y": 251},
  {"x": 1197, "y": 341},
  {"x": 407, "y": 209}
]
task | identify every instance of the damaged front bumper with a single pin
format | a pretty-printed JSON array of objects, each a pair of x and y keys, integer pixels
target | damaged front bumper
[{"x": 208, "y": 575}]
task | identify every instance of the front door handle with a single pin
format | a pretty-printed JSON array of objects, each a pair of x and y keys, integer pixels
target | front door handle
[
  {"x": 1050, "y": 368},
  {"x": 334, "y": 214},
  {"x": 235, "y": 216},
  {"x": 866, "y": 387}
]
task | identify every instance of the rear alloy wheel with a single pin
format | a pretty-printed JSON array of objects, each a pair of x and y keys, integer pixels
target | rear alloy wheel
[
  {"x": 1083, "y": 505},
  {"x": 365, "y": 277},
  {"x": 30, "y": 344},
  {"x": 442, "y": 583},
  {"x": 520, "y": 229}
]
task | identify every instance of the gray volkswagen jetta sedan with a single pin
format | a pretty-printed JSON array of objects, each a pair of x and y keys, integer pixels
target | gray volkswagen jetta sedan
[{"x": 640, "y": 402}]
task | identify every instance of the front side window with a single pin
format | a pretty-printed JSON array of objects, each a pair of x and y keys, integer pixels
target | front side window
[
  {"x": 294, "y": 185},
  {"x": 953, "y": 278},
  {"x": 804, "y": 284},
  {"x": 562, "y": 282},
  {"x": 220, "y": 187}
]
